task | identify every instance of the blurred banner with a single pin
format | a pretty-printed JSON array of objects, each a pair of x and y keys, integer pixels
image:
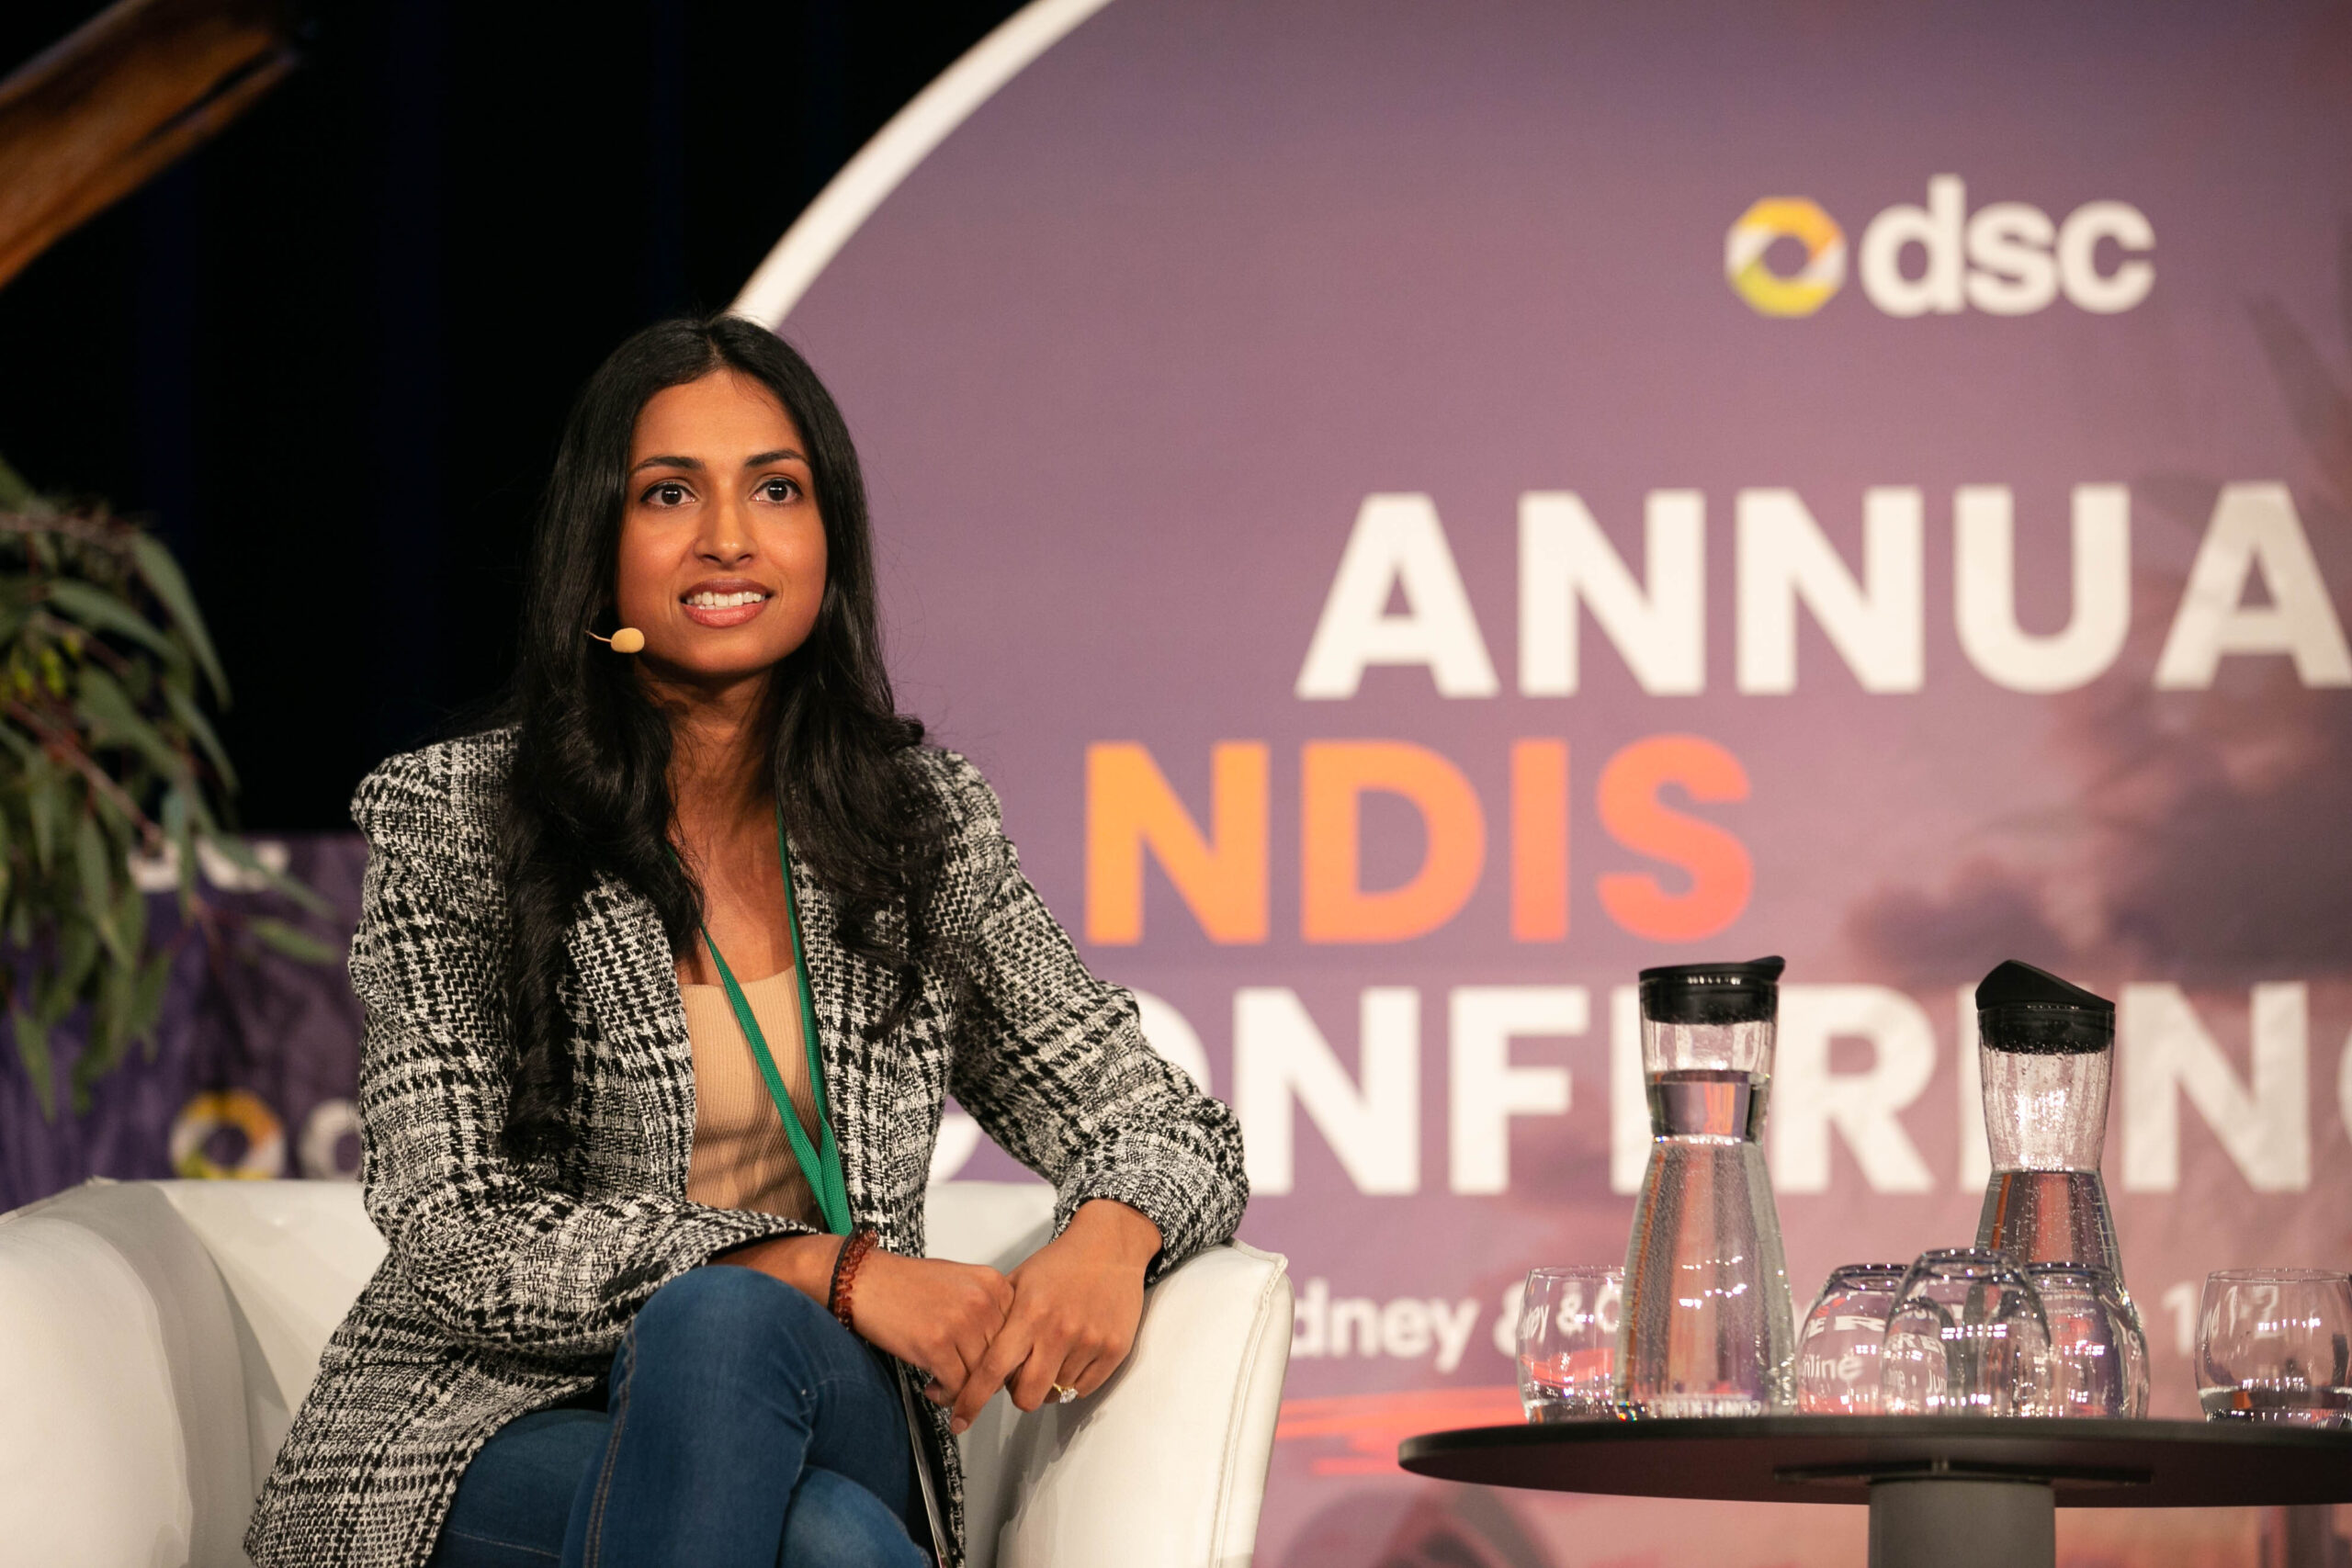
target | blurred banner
[
  {"x": 1424, "y": 509},
  {"x": 254, "y": 1067}
]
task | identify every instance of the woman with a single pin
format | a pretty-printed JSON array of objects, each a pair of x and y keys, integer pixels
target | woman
[{"x": 665, "y": 982}]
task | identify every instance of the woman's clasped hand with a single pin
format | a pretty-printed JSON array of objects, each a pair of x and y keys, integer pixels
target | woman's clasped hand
[{"x": 1063, "y": 1319}]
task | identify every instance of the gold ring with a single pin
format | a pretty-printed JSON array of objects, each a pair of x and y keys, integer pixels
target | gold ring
[{"x": 1063, "y": 1395}]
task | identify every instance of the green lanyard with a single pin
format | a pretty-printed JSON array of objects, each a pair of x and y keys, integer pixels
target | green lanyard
[{"x": 821, "y": 1165}]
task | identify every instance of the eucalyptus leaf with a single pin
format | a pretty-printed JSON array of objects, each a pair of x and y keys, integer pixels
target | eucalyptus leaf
[
  {"x": 32, "y": 1050},
  {"x": 131, "y": 916},
  {"x": 45, "y": 808},
  {"x": 290, "y": 941},
  {"x": 242, "y": 856},
  {"x": 114, "y": 719},
  {"x": 199, "y": 728},
  {"x": 56, "y": 991},
  {"x": 147, "y": 998},
  {"x": 162, "y": 577},
  {"x": 15, "y": 493},
  {"x": 92, "y": 861},
  {"x": 103, "y": 1051},
  {"x": 180, "y": 840},
  {"x": 103, "y": 612}
]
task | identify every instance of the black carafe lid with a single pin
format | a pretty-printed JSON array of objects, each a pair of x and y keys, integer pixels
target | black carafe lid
[
  {"x": 1712, "y": 993},
  {"x": 2021, "y": 1007}
]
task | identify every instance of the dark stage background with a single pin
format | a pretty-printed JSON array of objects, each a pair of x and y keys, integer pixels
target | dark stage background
[{"x": 328, "y": 352}]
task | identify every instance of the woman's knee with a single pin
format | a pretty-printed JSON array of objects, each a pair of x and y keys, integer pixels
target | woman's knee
[
  {"x": 835, "y": 1520},
  {"x": 727, "y": 1312}
]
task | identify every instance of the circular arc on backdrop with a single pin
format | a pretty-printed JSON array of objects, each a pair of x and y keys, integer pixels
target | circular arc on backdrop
[{"x": 866, "y": 181}]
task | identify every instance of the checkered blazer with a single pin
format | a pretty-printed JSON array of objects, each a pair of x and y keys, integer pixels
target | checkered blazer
[{"x": 507, "y": 1286}]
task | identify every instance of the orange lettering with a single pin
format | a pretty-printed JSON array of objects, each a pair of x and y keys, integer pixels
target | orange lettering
[
  {"x": 1538, "y": 840},
  {"x": 1334, "y": 906},
  {"x": 1222, "y": 878},
  {"x": 1722, "y": 875}
]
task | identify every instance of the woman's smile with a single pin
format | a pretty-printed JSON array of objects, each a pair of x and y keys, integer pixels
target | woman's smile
[{"x": 723, "y": 602}]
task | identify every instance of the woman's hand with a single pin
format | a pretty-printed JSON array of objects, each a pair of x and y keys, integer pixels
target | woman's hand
[
  {"x": 1075, "y": 1304},
  {"x": 934, "y": 1315},
  {"x": 938, "y": 1315}
]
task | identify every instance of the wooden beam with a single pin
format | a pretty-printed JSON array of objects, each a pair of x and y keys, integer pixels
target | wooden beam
[{"x": 86, "y": 122}]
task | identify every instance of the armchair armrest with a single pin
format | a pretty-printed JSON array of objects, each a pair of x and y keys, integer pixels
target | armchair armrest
[{"x": 1165, "y": 1465}]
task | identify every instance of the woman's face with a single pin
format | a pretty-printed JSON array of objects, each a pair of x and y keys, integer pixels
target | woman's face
[{"x": 722, "y": 552}]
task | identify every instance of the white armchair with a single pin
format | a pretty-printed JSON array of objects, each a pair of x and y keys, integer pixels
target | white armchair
[{"x": 155, "y": 1337}]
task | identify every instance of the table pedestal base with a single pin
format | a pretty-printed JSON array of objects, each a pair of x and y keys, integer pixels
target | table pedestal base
[{"x": 1963, "y": 1522}]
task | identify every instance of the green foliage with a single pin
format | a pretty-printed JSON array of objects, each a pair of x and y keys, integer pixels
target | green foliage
[{"x": 105, "y": 753}]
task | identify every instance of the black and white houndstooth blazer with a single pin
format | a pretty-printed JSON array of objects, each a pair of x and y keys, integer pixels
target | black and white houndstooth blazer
[{"x": 507, "y": 1286}]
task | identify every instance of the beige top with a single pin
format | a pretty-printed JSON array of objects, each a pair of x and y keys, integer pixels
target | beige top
[{"x": 741, "y": 1158}]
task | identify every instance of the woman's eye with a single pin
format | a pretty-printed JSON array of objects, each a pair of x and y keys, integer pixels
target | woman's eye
[
  {"x": 780, "y": 491},
  {"x": 667, "y": 494}
]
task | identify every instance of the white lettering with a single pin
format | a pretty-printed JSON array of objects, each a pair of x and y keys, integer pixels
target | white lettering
[
  {"x": 1565, "y": 559},
  {"x": 1404, "y": 1329},
  {"x": 1506, "y": 1336},
  {"x": 1309, "y": 1320},
  {"x": 1874, "y": 624},
  {"x": 1282, "y": 1060},
  {"x": 1983, "y": 575},
  {"x": 2078, "y": 257},
  {"x": 2164, "y": 1048},
  {"x": 1935, "y": 229},
  {"x": 2344, "y": 1088},
  {"x": 1487, "y": 1092},
  {"x": 1975, "y": 1152},
  {"x": 318, "y": 1150},
  {"x": 1453, "y": 1325},
  {"x": 1630, "y": 1135},
  {"x": 2254, "y": 526},
  {"x": 2010, "y": 271},
  {"x": 1363, "y": 1316},
  {"x": 1397, "y": 545},
  {"x": 1808, "y": 1099}
]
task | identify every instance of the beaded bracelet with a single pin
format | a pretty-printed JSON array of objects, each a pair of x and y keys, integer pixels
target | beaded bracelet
[{"x": 845, "y": 1266}]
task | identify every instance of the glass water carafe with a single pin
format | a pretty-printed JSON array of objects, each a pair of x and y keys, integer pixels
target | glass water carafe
[
  {"x": 2046, "y": 1052},
  {"x": 1708, "y": 1328}
]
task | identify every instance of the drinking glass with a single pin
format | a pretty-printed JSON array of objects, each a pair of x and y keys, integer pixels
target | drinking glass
[
  {"x": 1967, "y": 1337},
  {"x": 2272, "y": 1344},
  {"x": 2098, "y": 1363},
  {"x": 1568, "y": 1342},
  {"x": 1838, "y": 1348}
]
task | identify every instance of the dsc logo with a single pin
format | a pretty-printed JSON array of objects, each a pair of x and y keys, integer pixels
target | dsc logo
[{"x": 2008, "y": 259}]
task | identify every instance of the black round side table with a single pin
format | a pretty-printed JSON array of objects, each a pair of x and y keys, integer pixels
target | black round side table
[{"x": 1944, "y": 1492}]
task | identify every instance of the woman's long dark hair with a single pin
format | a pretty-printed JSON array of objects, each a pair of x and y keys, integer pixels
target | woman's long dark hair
[{"x": 590, "y": 790}]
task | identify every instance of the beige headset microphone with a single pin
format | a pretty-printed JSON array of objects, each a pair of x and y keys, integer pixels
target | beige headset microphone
[{"x": 627, "y": 639}]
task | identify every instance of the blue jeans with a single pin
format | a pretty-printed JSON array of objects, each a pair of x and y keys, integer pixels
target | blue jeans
[{"x": 745, "y": 1429}]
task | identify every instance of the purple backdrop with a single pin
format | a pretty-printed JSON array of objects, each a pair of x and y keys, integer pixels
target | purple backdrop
[{"x": 1128, "y": 352}]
